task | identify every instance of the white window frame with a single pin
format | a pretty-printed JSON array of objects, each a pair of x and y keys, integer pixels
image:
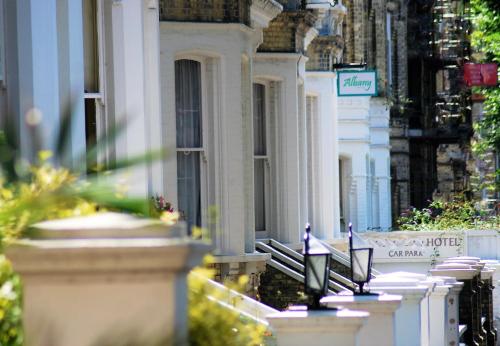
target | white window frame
[
  {"x": 206, "y": 131},
  {"x": 266, "y": 158},
  {"x": 99, "y": 97}
]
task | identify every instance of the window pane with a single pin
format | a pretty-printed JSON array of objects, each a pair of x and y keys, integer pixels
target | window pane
[
  {"x": 90, "y": 130},
  {"x": 188, "y": 187},
  {"x": 188, "y": 103},
  {"x": 90, "y": 46},
  {"x": 260, "y": 195},
  {"x": 259, "y": 119}
]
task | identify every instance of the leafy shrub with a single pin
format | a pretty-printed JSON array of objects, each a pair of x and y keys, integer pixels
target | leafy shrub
[
  {"x": 39, "y": 198},
  {"x": 458, "y": 214},
  {"x": 212, "y": 324},
  {"x": 10, "y": 306}
]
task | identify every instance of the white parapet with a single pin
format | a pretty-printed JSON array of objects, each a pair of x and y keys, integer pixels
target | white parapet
[
  {"x": 425, "y": 321},
  {"x": 379, "y": 329},
  {"x": 317, "y": 327},
  {"x": 123, "y": 279},
  {"x": 408, "y": 318}
]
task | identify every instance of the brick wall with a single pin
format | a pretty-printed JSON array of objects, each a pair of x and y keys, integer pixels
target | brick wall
[
  {"x": 279, "y": 290},
  {"x": 224, "y": 11},
  {"x": 286, "y": 32}
]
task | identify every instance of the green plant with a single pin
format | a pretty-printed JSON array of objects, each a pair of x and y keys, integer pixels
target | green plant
[
  {"x": 213, "y": 324},
  {"x": 457, "y": 214},
  {"x": 10, "y": 305}
]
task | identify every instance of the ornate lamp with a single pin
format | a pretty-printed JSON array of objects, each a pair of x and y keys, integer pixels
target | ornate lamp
[
  {"x": 361, "y": 264},
  {"x": 316, "y": 268}
]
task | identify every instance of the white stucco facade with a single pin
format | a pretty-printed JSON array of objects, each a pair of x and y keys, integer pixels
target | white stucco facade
[
  {"x": 286, "y": 74},
  {"x": 327, "y": 159},
  {"x": 365, "y": 164},
  {"x": 324, "y": 195}
]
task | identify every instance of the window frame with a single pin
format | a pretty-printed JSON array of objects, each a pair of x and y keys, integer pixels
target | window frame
[
  {"x": 206, "y": 130},
  {"x": 99, "y": 97},
  {"x": 266, "y": 158}
]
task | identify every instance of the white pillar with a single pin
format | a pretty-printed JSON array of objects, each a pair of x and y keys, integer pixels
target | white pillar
[
  {"x": 120, "y": 277},
  {"x": 409, "y": 315},
  {"x": 287, "y": 68},
  {"x": 44, "y": 55},
  {"x": 458, "y": 271},
  {"x": 152, "y": 92},
  {"x": 425, "y": 321},
  {"x": 326, "y": 188},
  {"x": 379, "y": 329},
  {"x": 354, "y": 143},
  {"x": 380, "y": 152},
  {"x": 136, "y": 85},
  {"x": 317, "y": 327},
  {"x": 439, "y": 313}
]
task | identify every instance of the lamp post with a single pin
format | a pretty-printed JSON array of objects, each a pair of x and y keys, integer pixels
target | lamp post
[
  {"x": 316, "y": 268},
  {"x": 361, "y": 264}
]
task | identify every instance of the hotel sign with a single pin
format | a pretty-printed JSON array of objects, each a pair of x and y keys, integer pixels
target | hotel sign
[
  {"x": 415, "y": 245},
  {"x": 357, "y": 83}
]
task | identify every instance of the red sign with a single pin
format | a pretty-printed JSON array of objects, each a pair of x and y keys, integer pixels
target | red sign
[
  {"x": 480, "y": 74},
  {"x": 490, "y": 74}
]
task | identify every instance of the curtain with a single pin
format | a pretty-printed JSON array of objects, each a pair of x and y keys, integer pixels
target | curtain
[
  {"x": 188, "y": 104},
  {"x": 188, "y": 187},
  {"x": 188, "y": 136}
]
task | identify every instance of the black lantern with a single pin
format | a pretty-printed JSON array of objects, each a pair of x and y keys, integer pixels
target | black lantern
[
  {"x": 361, "y": 264},
  {"x": 316, "y": 268}
]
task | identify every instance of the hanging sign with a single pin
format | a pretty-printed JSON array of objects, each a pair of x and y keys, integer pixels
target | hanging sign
[
  {"x": 480, "y": 74},
  {"x": 357, "y": 83}
]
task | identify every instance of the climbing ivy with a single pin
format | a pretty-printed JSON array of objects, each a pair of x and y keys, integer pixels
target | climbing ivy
[{"x": 485, "y": 39}]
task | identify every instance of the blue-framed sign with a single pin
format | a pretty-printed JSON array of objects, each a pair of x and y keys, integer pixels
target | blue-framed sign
[{"x": 357, "y": 83}]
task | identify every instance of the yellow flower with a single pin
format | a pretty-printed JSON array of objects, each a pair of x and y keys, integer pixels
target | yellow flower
[{"x": 170, "y": 218}]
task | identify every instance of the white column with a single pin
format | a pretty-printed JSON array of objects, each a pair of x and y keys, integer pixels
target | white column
[
  {"x": 439, "y": 312},
  {"x": 354, "y": 143},
  {"x": 458, "y": 271},
  {"x": 361, "y": 197},
  {"x": 44, "y": 52},
  {"x": 152, "y": 92},
  {"x": 327, "y": 221},
  {"x": 409, "y": 315},
  {"x": 130, "y": 71},
  {"x": 290, "y": 181},
  {"x": 379, "y": 329},
  {"x": 425, "y": 321},
  {"x": 289, "y": 144},
  {"x": 317, "y": 327},
  {"x": 380, "y": 152}
]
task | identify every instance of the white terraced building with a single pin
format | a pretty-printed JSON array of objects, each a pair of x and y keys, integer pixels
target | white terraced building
[{"x": 244, "y": 94}]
